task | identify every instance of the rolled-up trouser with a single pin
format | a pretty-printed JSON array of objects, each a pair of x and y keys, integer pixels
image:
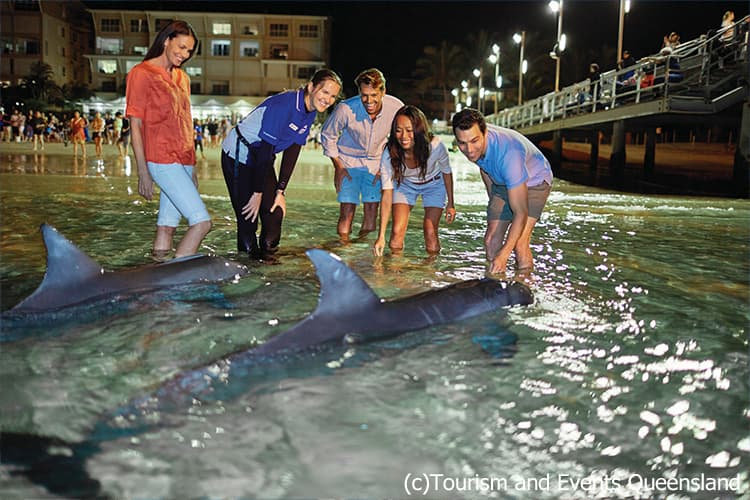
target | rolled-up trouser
[{"x": 241, "y": 188}]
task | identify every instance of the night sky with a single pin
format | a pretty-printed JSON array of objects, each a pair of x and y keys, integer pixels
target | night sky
[{"x": 391, "y": 35}]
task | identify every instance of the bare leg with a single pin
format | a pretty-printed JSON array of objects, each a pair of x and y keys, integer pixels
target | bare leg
[
  {"x": 430, "y": 227},
  {"x": 163, "y": 240},
  {"x": 370, "y": 219},
  {"x": 346, "y": 216},
  {"x": 524, "y": 259},
  {"x": 192, "y": 239},
  {"x": 400, "y": 213},
  {"x": 494, "y": 237}
]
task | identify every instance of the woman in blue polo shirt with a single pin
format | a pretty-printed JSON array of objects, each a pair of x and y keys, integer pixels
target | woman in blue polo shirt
[{"x": 280, "y": 123}]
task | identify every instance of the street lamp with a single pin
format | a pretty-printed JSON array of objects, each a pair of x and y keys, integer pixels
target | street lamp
[
  {"x": 624, "y": 9},
  {"x": 557, "y": 7},
  {"x": 495, "y": 59},
  {"x": 478, "y": 75},
  {"x": 521, "y": 41}
]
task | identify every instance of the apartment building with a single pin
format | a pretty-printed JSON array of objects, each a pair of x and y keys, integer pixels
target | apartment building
[
  {"x": 241, "y": 58},
  {"x": 52, "y": 32}
]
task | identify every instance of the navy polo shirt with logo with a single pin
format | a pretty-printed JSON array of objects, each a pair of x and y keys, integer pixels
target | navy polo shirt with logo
[{"x": 280, "y": 120}]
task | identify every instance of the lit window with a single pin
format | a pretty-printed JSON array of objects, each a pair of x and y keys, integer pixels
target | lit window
[
  {"x": 108, "y": 45},
  {"x": 107, "y": 66},
  {"x": 279, "y": 30},
  {"x": 220, "y": 47},
  {"x": 194, "y": 70},
  {"x": 251, "y": 29},
  {"x": 222, "y": 29},
  {"x": 140, "y": 50},
  {"x": 308, "y": 31},
  {"x": 249, "y": 49}
]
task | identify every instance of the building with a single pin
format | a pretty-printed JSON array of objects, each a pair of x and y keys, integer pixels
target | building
[
  {"x": 38, "y": 31},
  {"x": 240, "y": 59}
]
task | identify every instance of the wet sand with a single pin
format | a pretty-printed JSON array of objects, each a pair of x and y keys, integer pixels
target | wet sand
[{"x": 680, "y": 168}]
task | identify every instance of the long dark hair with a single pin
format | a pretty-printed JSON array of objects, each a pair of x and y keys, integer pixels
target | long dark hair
[
  {"x": 422, "y": 139},
  {"x": 168, "y": 32}
]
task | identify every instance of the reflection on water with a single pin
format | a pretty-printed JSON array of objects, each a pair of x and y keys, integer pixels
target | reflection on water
[{"x": 630, "y": 368}]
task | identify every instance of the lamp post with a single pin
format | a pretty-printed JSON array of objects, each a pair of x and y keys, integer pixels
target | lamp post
[
  {"x": 557, "y": 6},
  {"x": 521, "y": 41},
  {"x": 465, "y": 87},
  {"x": 495, "y": 59},
  {"x": 624, "y": 9},
  {"x": 478, "y": 74}
]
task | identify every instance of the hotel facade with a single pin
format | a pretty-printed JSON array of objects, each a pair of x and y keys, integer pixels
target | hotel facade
[{"x": 241, "y": 58}]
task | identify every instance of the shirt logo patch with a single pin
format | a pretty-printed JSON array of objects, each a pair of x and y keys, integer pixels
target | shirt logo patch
[
  {"x": 302, "y": 130},
  {"x": 293, "y": 127}
]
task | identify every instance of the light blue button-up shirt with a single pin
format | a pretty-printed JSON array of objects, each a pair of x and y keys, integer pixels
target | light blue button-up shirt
[
  {"x": 511, "y": 159},
  {"x": 352, "y": 136}
]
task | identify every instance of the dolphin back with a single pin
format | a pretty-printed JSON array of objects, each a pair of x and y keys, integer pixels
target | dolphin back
[
  {"x": 67, "y": 266},
  {"x": 73, "y": 278}
]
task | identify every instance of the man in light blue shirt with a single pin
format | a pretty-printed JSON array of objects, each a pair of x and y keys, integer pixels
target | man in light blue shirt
[
  {"x": 518, "y": 179},
  {"x": 354, "y": 137}
]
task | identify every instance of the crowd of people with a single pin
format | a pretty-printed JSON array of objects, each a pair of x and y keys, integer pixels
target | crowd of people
[{"x": 37, "y": 128}]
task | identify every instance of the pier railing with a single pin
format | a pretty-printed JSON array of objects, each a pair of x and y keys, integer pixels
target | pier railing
[{"x": 701, "y": 72}]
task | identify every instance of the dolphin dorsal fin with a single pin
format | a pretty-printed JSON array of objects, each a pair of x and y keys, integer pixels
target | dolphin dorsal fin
[
  {"x": 341, "y": 289},
  {"x": 66, "y": 263}
]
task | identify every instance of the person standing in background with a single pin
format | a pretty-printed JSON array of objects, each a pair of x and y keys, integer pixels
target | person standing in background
[{"x": 77, "y": 125}]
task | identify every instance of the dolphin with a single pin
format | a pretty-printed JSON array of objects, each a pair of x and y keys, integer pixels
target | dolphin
[
  {"x": 348, "y": 312},
  {"x": 73, "y": 278}
]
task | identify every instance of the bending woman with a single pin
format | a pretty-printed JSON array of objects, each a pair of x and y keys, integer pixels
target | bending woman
[
  {"x": 282, "y": 122},
  {"x": 415, "y": 163},
  {"x": 161, "y": 128}
]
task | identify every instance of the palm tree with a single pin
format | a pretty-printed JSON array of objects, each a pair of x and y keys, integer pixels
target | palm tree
[
  {"x": 40, "y": 83},
  {"x": 439, "y": 68}
]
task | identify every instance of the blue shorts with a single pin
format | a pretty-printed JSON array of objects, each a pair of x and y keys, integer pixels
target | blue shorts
[
  {"x": 179, "y": 196},
  {"x": 360, "y": 185},
  {"x": 432, "y": 192},
  {"x": 498, "y": 207}
]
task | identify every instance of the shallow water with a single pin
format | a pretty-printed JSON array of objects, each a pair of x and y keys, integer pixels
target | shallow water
[{"x": 627, "y": 378}]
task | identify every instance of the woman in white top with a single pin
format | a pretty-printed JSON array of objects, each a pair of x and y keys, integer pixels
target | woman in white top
[{"x": 414, "y": 163}]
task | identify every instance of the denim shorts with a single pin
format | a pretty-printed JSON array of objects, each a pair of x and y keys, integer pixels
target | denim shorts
[
  {"x": 433, "y": 192},
  {"x": 360, "y": 185},
  {"x": 498, "y": 207},
  {"x": 179, "y": 196}
]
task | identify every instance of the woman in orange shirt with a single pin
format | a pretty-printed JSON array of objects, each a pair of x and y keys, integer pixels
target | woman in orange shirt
[
  {"x": 77, "y": 135},
  {"x": 158, "y": 106}
]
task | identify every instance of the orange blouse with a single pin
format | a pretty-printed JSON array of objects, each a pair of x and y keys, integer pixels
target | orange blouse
[{"x": 162, "y": 101}]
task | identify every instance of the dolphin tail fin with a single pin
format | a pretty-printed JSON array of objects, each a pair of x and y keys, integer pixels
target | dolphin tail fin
[{"x": 341, "y": 289}]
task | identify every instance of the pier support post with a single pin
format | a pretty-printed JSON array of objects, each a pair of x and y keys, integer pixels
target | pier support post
[
  {"x": 649, "y": 154},
  {"x": 617, "y": 158},
  {"x": 741, "y": 171},
  {"x": 594, "y": 155},
  {"x": 557, "y": 150}
]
